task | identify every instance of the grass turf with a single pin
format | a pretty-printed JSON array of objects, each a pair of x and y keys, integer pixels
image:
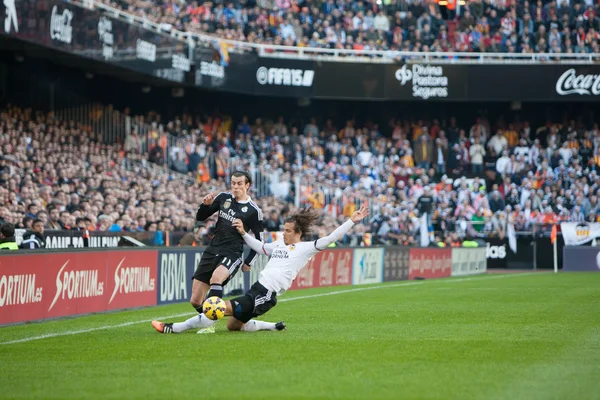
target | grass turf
[{"x": 532, "y": 336}]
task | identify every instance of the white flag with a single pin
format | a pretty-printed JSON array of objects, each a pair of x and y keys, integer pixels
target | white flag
[
  {"x": 512, "y": 237},
  {"x": 424, "y": 231},
  {"x": 577, "y": 234}
]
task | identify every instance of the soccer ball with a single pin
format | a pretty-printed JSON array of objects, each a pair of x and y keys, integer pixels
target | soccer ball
[{"x": 214, "y": 308}]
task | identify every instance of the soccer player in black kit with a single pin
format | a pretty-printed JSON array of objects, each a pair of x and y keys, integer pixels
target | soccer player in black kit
[{"x": 223, "y": 258}]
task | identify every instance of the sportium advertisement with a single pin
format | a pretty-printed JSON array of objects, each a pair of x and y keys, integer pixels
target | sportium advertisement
[{"x": 34, "y": 287}]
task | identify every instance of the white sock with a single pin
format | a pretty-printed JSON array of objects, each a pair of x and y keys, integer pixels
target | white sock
[
  {"x": 254, "y": 325},
  {"x": 198, "y": 321}
]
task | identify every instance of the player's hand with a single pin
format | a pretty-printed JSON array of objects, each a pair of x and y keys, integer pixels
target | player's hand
[
  {"x": 360, "y": 214},
  {"x": 246, "y": 268},
  {"x": 208, "y": 199},
  {"x": 239, "y": 225}
]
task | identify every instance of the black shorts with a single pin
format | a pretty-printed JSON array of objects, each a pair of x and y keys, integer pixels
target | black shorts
[
  {"x": 210, "y": 261},
  {"x": 257, "y": 301}
]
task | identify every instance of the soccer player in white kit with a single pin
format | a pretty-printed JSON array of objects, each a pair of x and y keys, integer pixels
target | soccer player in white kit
[{"x": 287, "y": 258}]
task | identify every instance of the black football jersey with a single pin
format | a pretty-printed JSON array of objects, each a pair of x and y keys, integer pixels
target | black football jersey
[{"x": 226, "y": 238}]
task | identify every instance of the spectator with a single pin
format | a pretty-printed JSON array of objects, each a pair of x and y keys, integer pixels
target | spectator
[
  {"x": 496, "y": 202},
  {"x": 476, "y": 153},
  {"x": 53, "y": 221},
  {"x": 440, "y": 156},
  {"x": 423, "y": 151},
  {"x": 274, "y": 222},
  {"x": 498, "y": 142}
]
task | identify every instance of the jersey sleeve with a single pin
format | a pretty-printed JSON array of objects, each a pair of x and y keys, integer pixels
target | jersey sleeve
[
  {"x": 256, "y": 226},
  {"x": 259, "y": 247},
  {"x": 204, "y": 212},
  {"x": 307, "y": 249}
]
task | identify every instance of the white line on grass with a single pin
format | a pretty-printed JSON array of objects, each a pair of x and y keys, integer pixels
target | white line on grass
[{"x": 310, "y": 296}]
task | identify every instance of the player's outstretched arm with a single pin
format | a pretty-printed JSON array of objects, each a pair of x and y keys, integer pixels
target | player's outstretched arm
[
  {"x": 357, "y": 216},
  {"x": 209, "y": 206},
  {"x": 255, "y": 244}
]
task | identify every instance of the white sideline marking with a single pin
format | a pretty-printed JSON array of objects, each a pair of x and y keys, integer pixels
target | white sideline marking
[{"x": 310, "y": 296}]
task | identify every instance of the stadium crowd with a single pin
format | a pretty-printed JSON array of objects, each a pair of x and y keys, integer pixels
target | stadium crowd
[
  {"x": 59, "y": 173},
  {"x": 512, "y": 26},
  {"x": 478, "y": 176}
]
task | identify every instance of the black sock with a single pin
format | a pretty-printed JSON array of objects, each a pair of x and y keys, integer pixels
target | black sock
[
  {"x": 199, "y": 309},
  {"x": 216, "y": 290}
]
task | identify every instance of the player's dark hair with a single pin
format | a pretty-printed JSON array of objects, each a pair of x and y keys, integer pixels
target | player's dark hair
[
  {"x": 37, "y": 220},
  {"x": 304, "y": 219},
  {"x": 239, "y": 174}
]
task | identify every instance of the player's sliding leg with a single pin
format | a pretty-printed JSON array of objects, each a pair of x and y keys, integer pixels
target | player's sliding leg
[
  {"x": 199, "y": 291},
  {"x": 241, "y": 317},
  {"x": 199, "y": 321},
  {"x": 255, "y": 325},
  {"x": 196, "y": 322}
]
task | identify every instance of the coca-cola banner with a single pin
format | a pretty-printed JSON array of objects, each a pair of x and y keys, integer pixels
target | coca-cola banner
[
  {"x": 430, "y": 263},
  {"x": 80, "y": 29},
  {"x": 553, "y": 82},
  {"x": 38, "y": 286},
  {"x": 326, "y": 268},
  {"x": 395, "y": 264}
]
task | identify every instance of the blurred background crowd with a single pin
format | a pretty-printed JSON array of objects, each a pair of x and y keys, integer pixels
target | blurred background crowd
[
  {"x": 418, "y": 25},
  {"x": 480, "y": 174}
]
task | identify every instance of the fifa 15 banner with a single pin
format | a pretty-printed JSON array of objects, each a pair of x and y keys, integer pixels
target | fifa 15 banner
[
  {"x": 576, "y": 234},
  {"x": 39, "y": 286}
]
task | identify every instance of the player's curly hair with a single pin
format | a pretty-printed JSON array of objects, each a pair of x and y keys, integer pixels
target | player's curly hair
[{"x": 304, "y": 219}]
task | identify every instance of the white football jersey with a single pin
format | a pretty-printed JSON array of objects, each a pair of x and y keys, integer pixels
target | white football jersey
[
  {"x": 287, "y": 260},
  {"x": 284, "y": 264}
]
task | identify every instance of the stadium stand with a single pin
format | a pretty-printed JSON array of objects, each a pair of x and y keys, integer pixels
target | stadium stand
[
  {"x": 536, "y": 175},
  {"x": 139, "y": 171},
  {"x": 481, "y": 26},
  {"x": 59, "y": 172}
]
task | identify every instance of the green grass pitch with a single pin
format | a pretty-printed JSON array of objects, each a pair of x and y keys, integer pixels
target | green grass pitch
[{"x": 530, "y": 336}]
